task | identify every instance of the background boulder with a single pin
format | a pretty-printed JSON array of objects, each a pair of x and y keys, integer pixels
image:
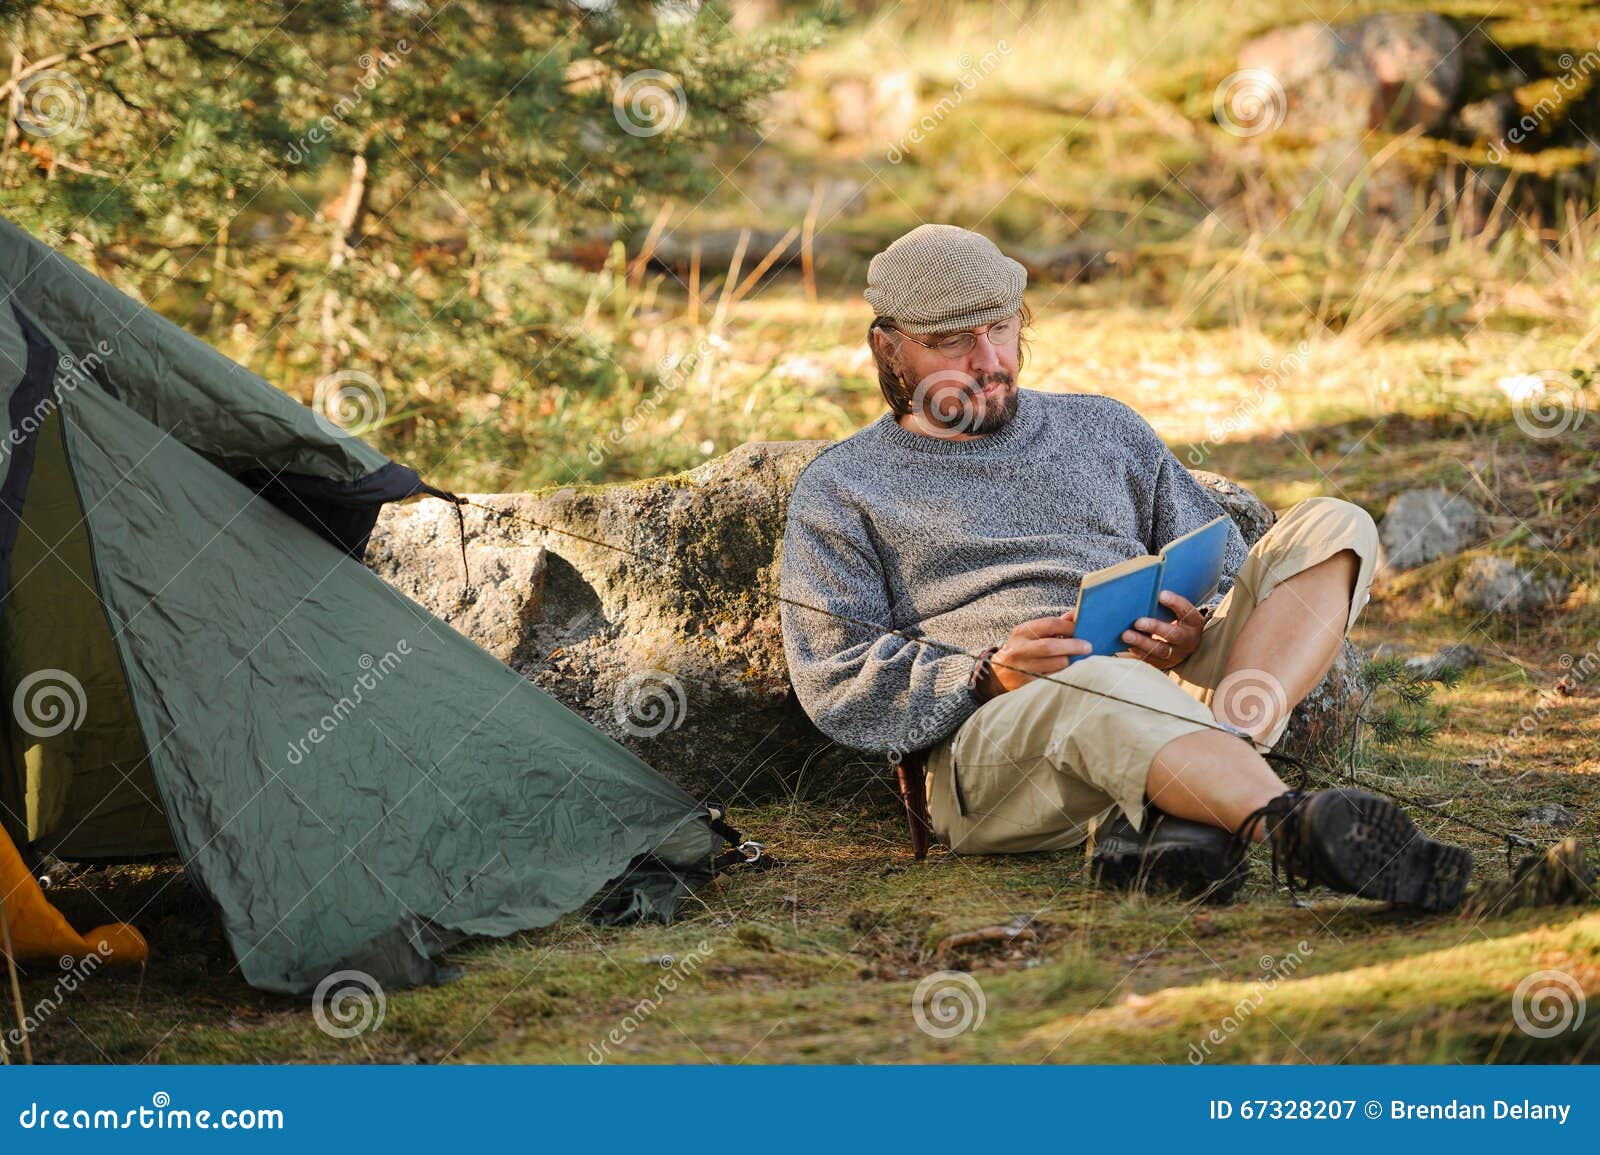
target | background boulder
[
  {"x": 1397, "y": 70},
  {"x": 1423, "y": 524},
  {"x": 680, "y": 658},
  {"x": 1495, "y": 585}
]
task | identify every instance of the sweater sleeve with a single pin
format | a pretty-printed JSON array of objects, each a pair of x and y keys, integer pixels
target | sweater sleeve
[{"x": 863, "y": 687}]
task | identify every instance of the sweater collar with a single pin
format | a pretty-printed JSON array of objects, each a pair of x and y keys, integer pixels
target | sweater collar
[{"x": 1018, "y": 431}]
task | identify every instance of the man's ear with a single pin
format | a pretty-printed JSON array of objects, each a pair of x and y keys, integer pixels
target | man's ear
[{"x": 889, "y": 347}]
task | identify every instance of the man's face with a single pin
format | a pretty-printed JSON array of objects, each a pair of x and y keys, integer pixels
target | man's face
[{"x": 962, "y": 390}]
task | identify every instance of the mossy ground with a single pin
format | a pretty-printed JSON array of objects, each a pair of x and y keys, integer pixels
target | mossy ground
[{"x": 820, "y": 962}]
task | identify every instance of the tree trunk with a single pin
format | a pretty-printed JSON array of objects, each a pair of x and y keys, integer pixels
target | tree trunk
[{"x": 346, "y": 213}]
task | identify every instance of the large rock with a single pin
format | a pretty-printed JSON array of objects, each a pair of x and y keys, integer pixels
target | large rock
[
  {"x": 1334, "y": 86},
  {"x": 1420, "y": 525},
  {"x": 1493, "y": 585},
  {"x": 1247, "y": 510},
  {"x": 679, "y": 657},
  {"x": 1391, "y": 70}
]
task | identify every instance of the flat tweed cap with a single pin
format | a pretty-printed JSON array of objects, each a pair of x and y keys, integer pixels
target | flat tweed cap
[{"x": 940, "y": 278}]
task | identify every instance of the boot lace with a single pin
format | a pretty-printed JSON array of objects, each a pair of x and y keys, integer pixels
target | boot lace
[{"x": 1285, "y": 826}]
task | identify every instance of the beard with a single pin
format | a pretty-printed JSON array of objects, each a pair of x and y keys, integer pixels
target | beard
[{"x": 959, "y": 404}]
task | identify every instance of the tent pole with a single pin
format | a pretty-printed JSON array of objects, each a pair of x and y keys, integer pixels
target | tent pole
[{"x": 16, "y": 985}]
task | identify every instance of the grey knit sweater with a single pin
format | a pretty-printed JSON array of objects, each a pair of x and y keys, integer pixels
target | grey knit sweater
[{"x": 960, "y": 541}]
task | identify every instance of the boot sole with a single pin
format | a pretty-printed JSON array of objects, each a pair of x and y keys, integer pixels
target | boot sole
[{"x": 1380, "y": 854}]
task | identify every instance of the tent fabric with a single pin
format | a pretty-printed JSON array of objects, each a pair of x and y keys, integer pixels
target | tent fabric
[
  {"x": 218, "y": 408},
  {"x": 351, "y": 781},
  {"x": 334, "y": 483},
  {"x": 84, "y": 789},
  {"x": 344, "y": 512},
  {"x": 28, "y": 394}
]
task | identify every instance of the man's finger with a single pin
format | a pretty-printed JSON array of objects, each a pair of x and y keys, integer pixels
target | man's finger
[
  {"x": 1053, "y": 647},
  {"x": 1141, "y": 643},
  {"x": 1185, "y": 610},
  {"x": 1158, "y": 656},
  {"x": 1055, "y": 626},
  {"x": 1180, "y": 633},
  {"x": 1033, "y": 665}
]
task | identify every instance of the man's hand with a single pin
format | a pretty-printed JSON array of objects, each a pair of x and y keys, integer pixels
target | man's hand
[
  {"x": 1165, "y": 644},
  {"x": 1040, "y": 646}
]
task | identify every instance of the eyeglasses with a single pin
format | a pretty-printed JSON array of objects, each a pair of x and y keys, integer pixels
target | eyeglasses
[{"x": 958, "y": 345}]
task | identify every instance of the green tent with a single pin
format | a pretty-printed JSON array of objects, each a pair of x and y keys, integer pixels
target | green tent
[{"x": 196, "y": 660}]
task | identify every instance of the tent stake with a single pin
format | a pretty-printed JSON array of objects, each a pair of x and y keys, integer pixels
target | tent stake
[{"x": 16, "y": 984}]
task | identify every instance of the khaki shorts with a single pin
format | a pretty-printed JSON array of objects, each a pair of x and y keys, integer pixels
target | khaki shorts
[{"x": 1033, "y": 769}]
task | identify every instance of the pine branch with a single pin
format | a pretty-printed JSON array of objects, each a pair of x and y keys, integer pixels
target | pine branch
[
  {"x": 1394, "y": 703},
  {"x": 87, "y": 52}
]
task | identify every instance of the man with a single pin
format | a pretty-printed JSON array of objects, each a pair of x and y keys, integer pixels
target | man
[{"x": 968, "y": 515}]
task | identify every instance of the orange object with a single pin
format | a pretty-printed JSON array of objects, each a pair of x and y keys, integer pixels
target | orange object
[{"x": 39, "y": 931}]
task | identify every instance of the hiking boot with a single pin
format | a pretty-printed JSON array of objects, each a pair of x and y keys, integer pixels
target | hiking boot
[
  {"x": 1363, "y": 845},
  {"x": 1170, "y": 854}
]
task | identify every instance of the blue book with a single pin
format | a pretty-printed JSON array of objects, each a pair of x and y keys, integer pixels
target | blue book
[{"x": 1112, "y": 599}]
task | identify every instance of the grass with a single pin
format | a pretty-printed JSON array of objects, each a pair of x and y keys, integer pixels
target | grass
[
  {"x": 821, "y": 962},
  {"x": 1295, "y": 353}
]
